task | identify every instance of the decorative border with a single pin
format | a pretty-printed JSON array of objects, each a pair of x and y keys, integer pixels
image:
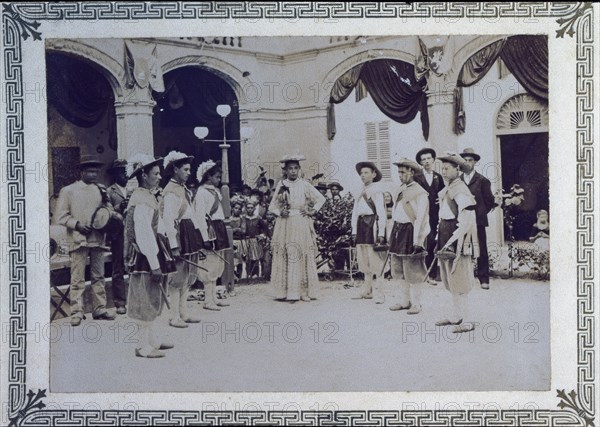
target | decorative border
[{"x": 21, "y": 21}]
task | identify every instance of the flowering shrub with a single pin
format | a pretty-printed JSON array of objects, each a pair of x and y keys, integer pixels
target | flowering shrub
[
  {"x": 333, "y": 226},
  {"x": 530, "y": 255}
]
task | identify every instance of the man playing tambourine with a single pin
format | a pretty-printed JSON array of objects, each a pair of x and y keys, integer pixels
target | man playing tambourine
[{"x": 78, "y": 209}]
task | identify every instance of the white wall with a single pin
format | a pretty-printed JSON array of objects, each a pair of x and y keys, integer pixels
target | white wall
[{"x": 481, "y": 102}]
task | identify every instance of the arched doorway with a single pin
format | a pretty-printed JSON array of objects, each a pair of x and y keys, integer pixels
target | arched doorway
[
  {"x": 81, "y": 117},
  {"x": 522, "y": 133},
  {"x": 190, "y": 100}
]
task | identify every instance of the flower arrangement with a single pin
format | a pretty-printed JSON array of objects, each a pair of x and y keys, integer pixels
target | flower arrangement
[{"x": 283, "y": 197}]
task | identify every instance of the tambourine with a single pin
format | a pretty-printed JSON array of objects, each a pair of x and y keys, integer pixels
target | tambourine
[{"x": 105, "y": 221}]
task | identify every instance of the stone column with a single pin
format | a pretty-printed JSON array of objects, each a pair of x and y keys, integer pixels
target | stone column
[
  {"x": 436, "y": 62},
  {"x": 134, "y": 123},
  {"x": 440, "y": 104}
]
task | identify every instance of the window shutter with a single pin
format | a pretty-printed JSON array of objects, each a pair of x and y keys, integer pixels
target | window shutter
[{"x": 378, "y": 146}]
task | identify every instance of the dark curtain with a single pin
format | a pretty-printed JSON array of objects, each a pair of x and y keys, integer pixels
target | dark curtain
[
  {"x": 472, "y": 72},
  {"x": 527, "y": 59},
  {"x": 392, "y": 85},
  {"x": 80, "y": 93},
  {"x": 190, "y": 99},
  {"x": 341, "y": 89}
]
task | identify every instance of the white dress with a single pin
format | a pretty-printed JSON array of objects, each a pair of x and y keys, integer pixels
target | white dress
[{"x": 294, "y": 243}]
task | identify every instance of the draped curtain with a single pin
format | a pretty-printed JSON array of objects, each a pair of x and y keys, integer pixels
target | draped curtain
[
  {"x": 526, "y": 57},
  {"x": 392, "y": 85},
  {"x": 472, "y": 72},
  {"x": 81, "y": 94},
  {"x": 341, "y": 89}
]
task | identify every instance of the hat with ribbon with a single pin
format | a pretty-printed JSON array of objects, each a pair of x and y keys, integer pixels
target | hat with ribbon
[
  {"x": 88, "y": 160},
  {"x": 453, "y": 158},
  {"x": 140, "y": 161},
  {"x": 408, "y": 163},
  {"x": 469, "y": 152},
  {"x": 117, "y": 164},
  {"x": 425, "y": 151},
  {"x": 371, "y": 166},
  {"x": 335, "y": 185}
]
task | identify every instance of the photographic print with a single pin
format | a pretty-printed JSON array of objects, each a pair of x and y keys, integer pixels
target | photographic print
[{"x": 299, "y": 213}]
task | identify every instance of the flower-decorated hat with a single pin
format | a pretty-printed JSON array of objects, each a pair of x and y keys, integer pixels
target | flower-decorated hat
[
  {"x": 205, "y": 167},
  {"x": 175, "y": 157}
]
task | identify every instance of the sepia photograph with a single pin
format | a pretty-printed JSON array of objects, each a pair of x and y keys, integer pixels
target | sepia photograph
[
  {"x": 299, "y": 213},
  {"x": 358, "y": 212}
]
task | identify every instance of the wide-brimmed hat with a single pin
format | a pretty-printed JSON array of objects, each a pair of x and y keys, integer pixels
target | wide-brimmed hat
[
  {"x": 453, "y": 158},
  {"x": 425, "y": 151},
  {"x": 205, "y": 167},
  {"x": 321, "y": 186},
  {"x": 88, "y": 160},
  {"x": 176, "y": 156},
  {"x": 470, "y": 152},
  {"x": 292, "y": 158},
  {"x": 117, "y": 164},
  {"x": 335, "y": 184},
  {"x": 372, "y": 166},
  {"x": 140, "y": 161},
  {"x": 408, "y": 163}
]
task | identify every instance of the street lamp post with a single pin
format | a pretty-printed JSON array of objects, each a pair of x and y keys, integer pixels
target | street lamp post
[{"x": 202, "y": 132}]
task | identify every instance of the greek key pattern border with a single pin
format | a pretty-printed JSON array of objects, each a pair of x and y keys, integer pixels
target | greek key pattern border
[{"x": 21, "y": 21}]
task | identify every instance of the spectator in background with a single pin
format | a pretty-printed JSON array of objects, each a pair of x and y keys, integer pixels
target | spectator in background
[
  {"x": 485, "y": 201},
  {"x": 119, "y": 198},
  {"x": 252, "y": 226}
]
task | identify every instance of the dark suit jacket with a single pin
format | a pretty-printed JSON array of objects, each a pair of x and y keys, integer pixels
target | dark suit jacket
[
  {"x": 436, "y": 185},
  {"x": 481, "y": 188}
]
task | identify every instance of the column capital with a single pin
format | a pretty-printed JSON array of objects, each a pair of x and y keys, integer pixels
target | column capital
[{"x": 135, "y": 101}]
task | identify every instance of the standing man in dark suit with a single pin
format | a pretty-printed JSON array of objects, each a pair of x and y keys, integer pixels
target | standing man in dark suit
[
  {"x": 480, "y": 187},
  {"x": 119, "y": 199},
  {"x": 432, "y": 182}
]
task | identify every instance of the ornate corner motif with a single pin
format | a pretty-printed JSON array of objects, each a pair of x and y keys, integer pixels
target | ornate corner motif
[
  {"x": 570, "y": 401},
  {"x": 32, "y": 404},
  {"x": 567, "y": 24},
  {"x": 27, "y": 28}
]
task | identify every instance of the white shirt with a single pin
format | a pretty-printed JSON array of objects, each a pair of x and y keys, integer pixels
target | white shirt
[
  {"x": 428, "y": 176},
  {"x": 203, "y": 203},
  {"x": 468, "y": 176},
  {"x": 373, "y": 192}
]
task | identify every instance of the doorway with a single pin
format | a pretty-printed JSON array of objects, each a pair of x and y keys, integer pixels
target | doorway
[{"x": 525, "y": 162}]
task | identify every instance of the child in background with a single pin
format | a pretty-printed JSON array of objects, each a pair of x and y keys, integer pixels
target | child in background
[{"x": 252, "y": 226}]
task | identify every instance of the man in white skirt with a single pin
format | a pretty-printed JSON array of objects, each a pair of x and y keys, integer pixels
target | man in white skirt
[
  {"x": 407, "y": 239},
  {"x": 149, "y": 258},
  {"x": 210, "y": 217},
  {"x": 369, "y": 220},
  {"x": 457, "y": 241}
]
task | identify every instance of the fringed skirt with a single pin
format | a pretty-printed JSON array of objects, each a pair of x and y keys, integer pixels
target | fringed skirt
[
  {"x": 251, "y": 250},
  {"x": 144, "y": 298},
  {"x": 455, "y": 271},
  {"x": 294, "y": 267},
  {"x": 190, "y": 239}
]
